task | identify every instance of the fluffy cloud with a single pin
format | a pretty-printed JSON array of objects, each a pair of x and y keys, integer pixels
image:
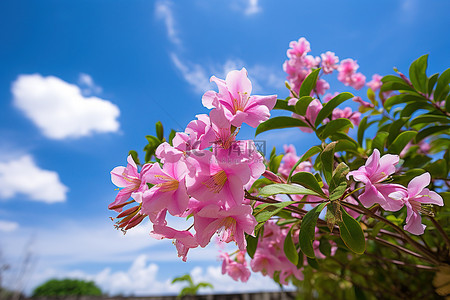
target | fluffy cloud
[
  {"x": 60, "y": 110},
  {"x": 88, "y": 85},
  {"x": 194, "y": 74},
  {"x": 7, "y": 226},
  {"x": 23, "y": 176}
]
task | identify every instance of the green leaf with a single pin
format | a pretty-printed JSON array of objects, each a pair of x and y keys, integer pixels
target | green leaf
[
  {"x": 252, "y": 244},
  {"x": 361, "y": 130},
  {"x": 274, "y": 163},
  {"x": 430, "y": 118},
  {"x": 391, "y": 78},
  {"x": 330, "y": 106},
  {"x": 308, "y": 180},
  {"x": 289, "y": 248},
  {"x": 283, "y": 104},
  {"x": 403, "y": 98},
  {"x": 338, "y": 183},
  {"x": 395, "y": 86},
  {"x": 418, "y": 75},
  {"x": 401, "y": 141},
  {"x": 371, "y": 95},
  {"x": 312, "y": 151},
  {"x": 171, "y": 136},
  {"x": 135, "y": 157},
  {"x": 351, "y": 233},
  {"x": 394, "y": 129},
  {"x": 327, "y": 158},
  {"x": 325, "y": 247},
  {"x": 312, "y": 263},
  {"x": 307, "y": 230},
  {"x": 278, "y": 123},
  {"x": 412, "y": 107},
  {"x": 280, "y": 188},
  {"x": 302, "y": 105},
  {"x": 379, "y": 141},
  {"x": 333, "y": 214},
  {"x": 437, "y": 169},
  {"x": 431, "y": 82},
  {"x": 334, "y": 126},
  {"x": 442, "y": 86},
  {"x": 159, "y": 130},
  {"x": 430, "y": 131},
  {"x": 309, "y": 83},
  {"x": 265, "y": 211}
]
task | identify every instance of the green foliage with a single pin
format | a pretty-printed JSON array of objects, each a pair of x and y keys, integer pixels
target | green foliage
[
  {"x": 191, "y": 289},
  {"x": 67, "y": 287}
]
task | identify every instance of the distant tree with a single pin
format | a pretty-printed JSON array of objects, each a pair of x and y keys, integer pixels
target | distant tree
[
  {"x": 67, "y": 287},
  {"x": 192, "y": 288}
]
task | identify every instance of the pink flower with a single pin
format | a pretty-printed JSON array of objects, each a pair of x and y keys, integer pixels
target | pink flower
[
  {"x": 235, "y": 100},
  {"x": 311, "y": 114},
  {"x": 372, "y": 174},
  {"x": 230, "y": 224},
  {"x": 321, "y": 87},
  {"x": 263, "y": 261},
  {"x": 363, "y": 103},
  {"x": 329, "y": 62},
  {"x": 169, "y": 190},
  {"x": 183, "y": 240},
  {"x": 200, "y": 132},
  {"x": 130, "y": 180},
  {"x": 413, "y": 197},
  {"x": 375, "y": 83},
  {"x": 289, "y": 160},
  {"x": 347, "y": 113},
  {"x": 357, "y": 81},
  {"x": 298, "y": 49},
  {"x": 235, "y": 269}
]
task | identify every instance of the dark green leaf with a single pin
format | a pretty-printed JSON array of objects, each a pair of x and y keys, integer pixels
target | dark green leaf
[
  {"x": 395, "y": 86},
  {"x": 417, "y": 73},
  {"x": 289, "y": 248},
  {"x": 283, "y": 104},
  {"x": 412, "y": 107},
  {"x": 265, "y": 211},
  {"x": 274, "y": 163},
  {"x": 401, "y": 141},
  {"x": 351, "y": 233},
  {"x": 327, "y": 158},
  {"x": 431, "y": 82},
  {"x": 135, "y": 157},
  {"x": 391, "y": 78},
  {"x": 442, "y": 86},
  {"x": 379, "y": 141},
  {"x": 278, "y": 123},
  {"x": 159, "y": 130},
  {"x": 429, "y": 118},
  {"x": 309, "y": 83},
  {"x": 361, "y": 130},
  {"x": 280, "y": 188},
  {"x": 325, "y": 247},
  {"x": 312, "y": 151},
  {"x": 171, "y": 136},
  {"x": 334, "y": 126},
  {"x": 338, "y": 183},
  {"x": 437, "y": 169},
  {"x": 307, "y": 230},
  {"x": 252, "y": 244},
  {"x": 312, "y": 263},
  {"x": 302, "y": 105},
  {"x": 330, "y": 106},
  {"x": 403, "y": 98},
  {"x": 394, "y": 129},
  {"x": 308, "y": 180},
  {"x": 430, "y": 131}
]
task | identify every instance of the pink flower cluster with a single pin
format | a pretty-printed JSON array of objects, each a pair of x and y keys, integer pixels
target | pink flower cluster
[
  {"x": 192, "y": 181},
  {"x": 348, "y": 76},
  {"x": 392, "y": 197}
]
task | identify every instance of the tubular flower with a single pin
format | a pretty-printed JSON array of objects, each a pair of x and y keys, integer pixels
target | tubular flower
[
  {"x": 414, "y": 197},
  {"x": 235, "y": 100},
  {"x": 130, "y": 180}
]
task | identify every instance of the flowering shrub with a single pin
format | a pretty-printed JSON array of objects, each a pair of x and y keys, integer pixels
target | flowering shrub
[{"x": 359, "y": 215}]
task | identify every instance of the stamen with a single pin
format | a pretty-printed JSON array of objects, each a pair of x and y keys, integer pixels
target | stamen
[
  {"x": 216, "y": 182},
  {"x": 170, "y": 184}
]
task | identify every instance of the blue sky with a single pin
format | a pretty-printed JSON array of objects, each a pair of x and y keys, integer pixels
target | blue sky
[{"x": 82, "y": 82}]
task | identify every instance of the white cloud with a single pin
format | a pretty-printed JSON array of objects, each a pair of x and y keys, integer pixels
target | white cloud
[
  {"x": 163, "y": 11},
  {"x": 7, "y": 226},
  {"x": 253, "y": 7},
  {"x": 23, "y": 176},
  {"x": 88, "y": 85},
  {"x": 60, "y": 110},
  {"x": 194, "y": 74}
]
